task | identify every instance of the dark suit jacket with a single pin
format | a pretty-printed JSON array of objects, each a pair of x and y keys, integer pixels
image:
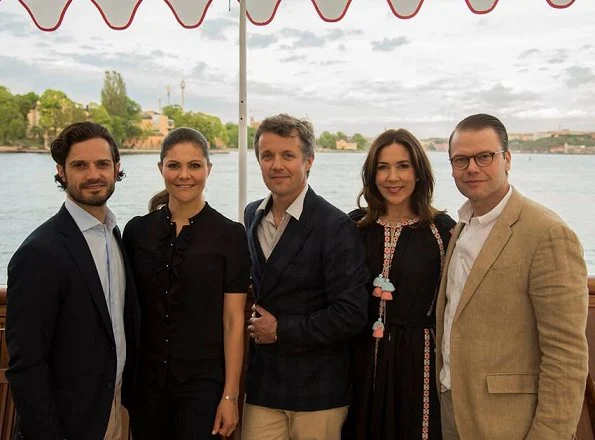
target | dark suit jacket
[
  {"x": 314, "y": 284},
  {"x": 60, "y": 340}
]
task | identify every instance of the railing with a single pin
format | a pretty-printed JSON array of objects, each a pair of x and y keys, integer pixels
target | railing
[{"x": 585, "y": 429}]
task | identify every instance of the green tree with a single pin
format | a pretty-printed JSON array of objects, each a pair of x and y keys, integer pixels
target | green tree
[
  {"x": 233, "y": 136},
  {"x": 113, "y": 94},
  {"x": 174, "y": 112},
  {"x": 12, "y": 123},
  {"x": 27, "y": 102},
  {"x": 98, "y": 114},
  {"x": 327, "y": 140},
  {"x": 57, "y": 111},
  {"x": 132, "y": 129},
  {"x": 361, "y": 141},
  {"x": 341, "y": 136},
  {"x": 124, "y": 113}
]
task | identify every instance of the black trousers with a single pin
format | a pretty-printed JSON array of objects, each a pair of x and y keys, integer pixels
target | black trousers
[{"x": 184, "y": 411}]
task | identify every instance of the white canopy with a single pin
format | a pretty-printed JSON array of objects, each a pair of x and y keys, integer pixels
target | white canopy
[{"x": 119, "y": 14}]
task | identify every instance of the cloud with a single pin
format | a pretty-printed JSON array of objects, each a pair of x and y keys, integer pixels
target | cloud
[
  {"x": 15, "y": 25},
  {"x": 293, "y": 58},
  {"x": 529, "y": 52},
  {"x": 502, "y": 98},
  {"x": 388, "y": 44},
  {"x": 559, "y": 57},
  {"x": 261, "y": 41},
  {"x": 215, "y": 28},
  {"x": 337, "y": 34},
  {"x": 271, "y": 90},
  {"x": 303, "y": 38},
  {"x": 199, "y": 70},
  {"x": 578, "y": 76},
  {"x": 331, "y": 62}
]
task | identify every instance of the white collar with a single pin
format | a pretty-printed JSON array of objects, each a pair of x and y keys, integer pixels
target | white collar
[
  {"x": 295, "y": 209},
  {"x": 466, "y": 211}
]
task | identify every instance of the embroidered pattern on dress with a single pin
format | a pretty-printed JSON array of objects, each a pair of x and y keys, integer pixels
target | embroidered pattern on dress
[{"x": 384, "y": 290}]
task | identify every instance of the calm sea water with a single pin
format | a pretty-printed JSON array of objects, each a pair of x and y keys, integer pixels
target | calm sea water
[{"x": 28, "y": 195}]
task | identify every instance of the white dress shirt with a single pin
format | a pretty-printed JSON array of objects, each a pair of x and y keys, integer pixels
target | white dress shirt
[
  {"x": 110, "y": 268},
  {"x": 267, "y": 232},
  {"x": 470, "y": 241}
]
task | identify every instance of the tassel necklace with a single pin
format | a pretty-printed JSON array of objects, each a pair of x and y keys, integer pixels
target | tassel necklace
[{"x": 383, "y": 288}]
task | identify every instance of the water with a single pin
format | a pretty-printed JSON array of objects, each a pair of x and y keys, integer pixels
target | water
[{"x": 28, "y": 195}]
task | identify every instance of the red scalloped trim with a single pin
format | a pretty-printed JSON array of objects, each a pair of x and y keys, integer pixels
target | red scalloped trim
[
  {"x": 263, "y": 23},
  {"x": 37, "y": 23},
  {"x": 405, "y": 17},
  {"x": 553, "y": 5},
  {"x": 332, "y": 20},
  {"x": 476, "y": 11},
  {"x": 118, "y": 28},
  {"x": 189, "y": 26}
]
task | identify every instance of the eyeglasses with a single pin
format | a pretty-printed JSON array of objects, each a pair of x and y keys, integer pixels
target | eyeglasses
[{"x": 461, "y": 162}]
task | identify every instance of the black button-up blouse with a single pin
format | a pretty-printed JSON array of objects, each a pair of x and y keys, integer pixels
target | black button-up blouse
[{"x": 181, "y": 282}]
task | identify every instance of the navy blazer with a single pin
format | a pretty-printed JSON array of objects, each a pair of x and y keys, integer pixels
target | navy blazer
[
  {"x": 62, "y": 350},
  {"x": 314, "y": 284}
]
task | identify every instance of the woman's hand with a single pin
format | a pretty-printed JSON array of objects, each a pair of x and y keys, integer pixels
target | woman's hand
[{"x": 227, "y": 417}]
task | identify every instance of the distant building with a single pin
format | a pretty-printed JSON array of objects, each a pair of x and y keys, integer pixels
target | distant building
[
  {"x": 342, "y": 144},
  {"x": 254, "y": 124},
  {"x": 156, "y": 125},
  {"x": 441, "y": 146}
]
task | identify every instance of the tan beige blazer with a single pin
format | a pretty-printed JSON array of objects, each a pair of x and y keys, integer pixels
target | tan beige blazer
[{"x": 518, "y": 346}]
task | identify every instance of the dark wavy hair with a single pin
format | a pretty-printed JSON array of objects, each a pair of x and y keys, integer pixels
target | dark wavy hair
[
  {"x": 421, "y": 199},
  {"x": 178, "y": 136},
  {"x": 81, "y": 132}
]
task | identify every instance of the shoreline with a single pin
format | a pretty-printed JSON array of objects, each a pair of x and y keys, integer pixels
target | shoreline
[{"x": 123, "y": 151}]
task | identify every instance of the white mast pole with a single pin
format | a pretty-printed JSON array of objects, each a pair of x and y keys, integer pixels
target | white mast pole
[{"x": 243, "y": 122}]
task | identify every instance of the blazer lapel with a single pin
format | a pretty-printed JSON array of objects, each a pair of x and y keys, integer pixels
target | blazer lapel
[
  {"x": 78, "y": 248},
  {"x": 441, "y": 301},
  {"x": 291, "y": 242},
  {"x": 254, "y": 244},
  {"x": 491, "y": 249}
]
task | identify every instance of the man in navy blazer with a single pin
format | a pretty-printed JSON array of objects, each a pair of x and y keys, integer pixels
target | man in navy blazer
[
  {"x": 72, "y": 314},
  {"x": 308, "y": 275}
]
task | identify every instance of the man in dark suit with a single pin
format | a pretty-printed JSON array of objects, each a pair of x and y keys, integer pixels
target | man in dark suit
[
  {"x": 72, "y": 315},
  {"x": 308, "y": 275}
]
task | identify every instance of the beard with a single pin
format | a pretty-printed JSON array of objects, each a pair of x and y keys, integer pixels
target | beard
[{"x": 87, "y": 197}]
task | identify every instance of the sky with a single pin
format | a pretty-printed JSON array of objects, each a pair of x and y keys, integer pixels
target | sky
[{"x": 525, "y": 62}]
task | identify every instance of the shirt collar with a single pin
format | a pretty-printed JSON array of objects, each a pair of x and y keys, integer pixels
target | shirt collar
[
  {"x": 295, "y": 209},
  {"x": 86, "y": 221},
  {"x": 466, "y": 211}
]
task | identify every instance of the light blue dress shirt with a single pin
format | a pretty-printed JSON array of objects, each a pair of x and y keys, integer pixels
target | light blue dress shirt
[{"x": 110, "y": 268}]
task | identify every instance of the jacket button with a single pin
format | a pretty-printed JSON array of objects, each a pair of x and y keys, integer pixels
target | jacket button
[{"x": 109, "y": 386}]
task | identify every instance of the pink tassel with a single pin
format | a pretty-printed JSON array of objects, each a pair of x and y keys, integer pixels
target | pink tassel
[
  {"x": 386, "y": 296},
  {"x": 377, "y": 292},
  {"x": 378, "y": 333}
]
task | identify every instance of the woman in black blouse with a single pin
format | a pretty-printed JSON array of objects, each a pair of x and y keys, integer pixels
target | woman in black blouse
[
  {"x": 191, "y": 268},
  {"x": 405, "y": 239}
]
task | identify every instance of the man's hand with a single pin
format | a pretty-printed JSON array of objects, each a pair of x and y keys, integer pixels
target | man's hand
[{"x": 263, "y": 326}]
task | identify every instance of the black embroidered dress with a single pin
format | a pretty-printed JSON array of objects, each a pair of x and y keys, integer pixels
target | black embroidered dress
[{"x": 396, "y": 399}]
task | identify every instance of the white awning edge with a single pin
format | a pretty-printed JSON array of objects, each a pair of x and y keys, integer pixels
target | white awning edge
[{"x": 47, "y": 15}]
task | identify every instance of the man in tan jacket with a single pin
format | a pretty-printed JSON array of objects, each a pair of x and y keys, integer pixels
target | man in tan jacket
[{"x": 512, "y": 305}]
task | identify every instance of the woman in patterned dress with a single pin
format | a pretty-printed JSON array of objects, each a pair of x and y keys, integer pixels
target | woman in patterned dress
[{"x": 395, "y": 395}]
